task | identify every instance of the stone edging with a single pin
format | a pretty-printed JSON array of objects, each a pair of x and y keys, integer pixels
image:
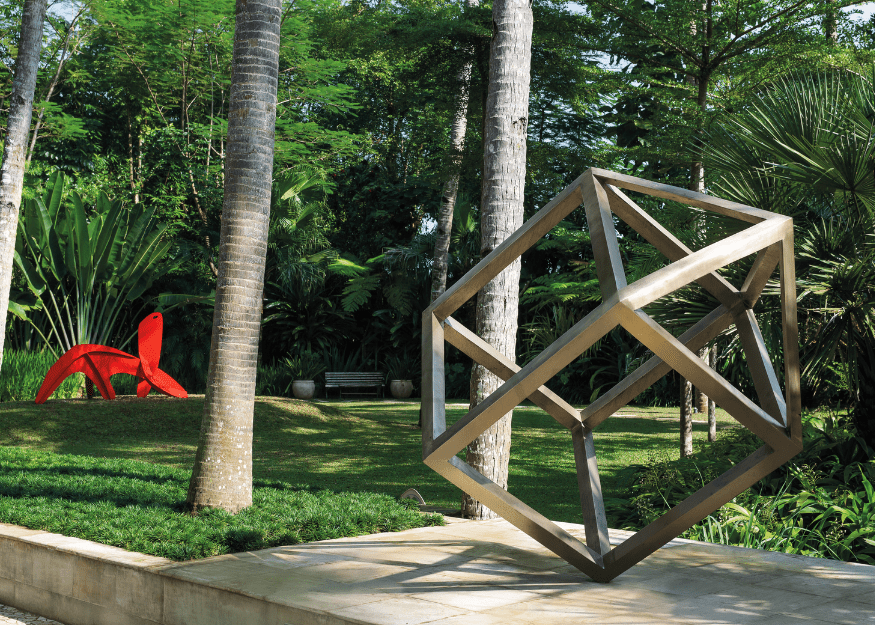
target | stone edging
[{"x": 80, "y": 582}]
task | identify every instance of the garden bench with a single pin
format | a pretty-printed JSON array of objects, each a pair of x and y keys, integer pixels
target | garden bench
[{"x": 353, "y": 379}]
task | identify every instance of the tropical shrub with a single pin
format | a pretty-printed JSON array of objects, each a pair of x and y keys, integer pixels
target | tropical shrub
[
  {"x": 272, "y": 381},
  {"x": 86, "y": 268},
  {"x": 821, "y": 504},
  {"x": 804, "y": 147},
  {"x": 304, "y": 365},
  {"x": 23, "y": 373}
]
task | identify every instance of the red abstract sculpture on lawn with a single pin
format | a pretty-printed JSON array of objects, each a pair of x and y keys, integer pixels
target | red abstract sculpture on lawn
[{"x": 99, "y": 362}]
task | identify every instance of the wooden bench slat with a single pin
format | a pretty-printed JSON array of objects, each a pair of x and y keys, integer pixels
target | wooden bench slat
[{"x": 354, "y": 379}]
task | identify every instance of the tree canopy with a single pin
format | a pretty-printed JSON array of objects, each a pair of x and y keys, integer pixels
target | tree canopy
[{"x": 132, "y": 105}]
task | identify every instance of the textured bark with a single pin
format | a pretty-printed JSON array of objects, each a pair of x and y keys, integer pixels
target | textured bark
[
  {"x": 712, "y": 407},
  {"x": 701, "y": 397},
  {"x": 686, "y": 401},
  {"x": 54, "y": 83},
  {"x": 451, "y": 186},
  {"x": 222, "y": 475},
  {"x": 697, "y": 183},
  {"x": 14, "y": 152},
  {"x": 829, "y": 26},
  {"x": 501, "y": 213}
]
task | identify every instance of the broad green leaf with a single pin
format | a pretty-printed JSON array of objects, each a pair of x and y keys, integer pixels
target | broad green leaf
[
  {"x": 35, "y": 282},
  {"x": 49, "y": 235},
  {"x": 111, "y": 226},
  {"x": 17, "y": 310},
  {"x": 52, "y": 198},
  {"x": 85, "y": 272}
]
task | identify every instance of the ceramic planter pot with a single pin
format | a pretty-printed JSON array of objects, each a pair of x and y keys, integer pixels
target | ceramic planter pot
[
  {"x": 303, "y": 389},
  {"x": 401, "y": 389}
]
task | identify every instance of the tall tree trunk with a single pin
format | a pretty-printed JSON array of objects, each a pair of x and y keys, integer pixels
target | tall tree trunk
[
  {"x": 701, "y": 399},
  {"x": 697, "y": 183},
  {"x": 501, "y": 213},
  {"x": 222, "y": 475},
  {"x": 686, "y": 401},
  {"x": 53, "y": 84},
  {"x": 712, "y": 407},
  {"x": 14, "y": 152},
  {"x": 829, "y": 25},
  {"x": 451, "y": 186}
]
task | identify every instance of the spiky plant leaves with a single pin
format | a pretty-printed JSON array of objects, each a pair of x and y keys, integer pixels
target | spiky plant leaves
[{"x": 85, "y": 265}]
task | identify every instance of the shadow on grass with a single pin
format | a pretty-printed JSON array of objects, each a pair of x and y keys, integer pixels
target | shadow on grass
[{"x": 358, "y": 446}]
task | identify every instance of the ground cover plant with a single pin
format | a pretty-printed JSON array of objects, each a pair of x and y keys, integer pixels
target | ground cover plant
[
  {"x": 141, "y": 507},
  {"x": 23, "y": 373},
  {"x": 361, "y": 446},
  {"x": 821, "y": 503}
]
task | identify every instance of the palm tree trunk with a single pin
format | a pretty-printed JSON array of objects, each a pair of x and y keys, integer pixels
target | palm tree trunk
[
  {"x": 501, "y": 213},
  {"x": 14, "y": 152},
  {"x": 222, "y": 474},
  {"x": 451, "y": 186}
]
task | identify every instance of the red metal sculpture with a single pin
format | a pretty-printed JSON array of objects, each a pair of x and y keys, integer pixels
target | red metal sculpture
[{"x": 99, "y": 362}]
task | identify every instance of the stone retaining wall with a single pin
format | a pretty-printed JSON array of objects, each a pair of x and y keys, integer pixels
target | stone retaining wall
[{"x": 81, "y": 582}]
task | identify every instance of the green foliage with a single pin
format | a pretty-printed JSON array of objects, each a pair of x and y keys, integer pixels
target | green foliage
[
  {"x": 141, "y": 507},
  {"x": 405, "y": 365},
  {"x": 804, "y": 147},
  {"x": 304, "y": 365},
  {"x": 685, "y": 65},
  {"x": 86, "y": 267},
  {"x": 23, "y": 373},
  {"x": 295, "y": 318},
  {"x": 820, "y": 504},
  {"x": 272, "y": 381}
]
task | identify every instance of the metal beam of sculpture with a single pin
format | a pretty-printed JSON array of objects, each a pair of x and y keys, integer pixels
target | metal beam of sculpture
[
  {"x": 776, "y": 421},
  {"x": 99, "y": 363}
]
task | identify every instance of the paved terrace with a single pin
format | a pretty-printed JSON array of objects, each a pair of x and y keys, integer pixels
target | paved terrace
[
  {"x": 490, "y": 573},
  {"x": 486, "y": 573}
]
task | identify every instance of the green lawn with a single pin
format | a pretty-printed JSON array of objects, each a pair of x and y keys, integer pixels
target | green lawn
[{"x": 346, "y": 446}]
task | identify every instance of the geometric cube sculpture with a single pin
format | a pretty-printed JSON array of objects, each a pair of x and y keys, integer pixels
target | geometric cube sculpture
[
  {"x": 776, "y": 421},
  {"x": 99, "y": 362}
]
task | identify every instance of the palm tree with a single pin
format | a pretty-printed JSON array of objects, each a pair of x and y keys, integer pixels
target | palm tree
[
  {"x": 806, "y": 147},
  {"x": 222, "y": 474},
  {"x": 501, "y": 213},
  {"x": 15, "y": 148}
]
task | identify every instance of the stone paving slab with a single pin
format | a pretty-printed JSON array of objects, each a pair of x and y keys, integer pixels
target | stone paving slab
[
  {"x": 479, "y": 573},
  {"x": 487, "y": 573}
]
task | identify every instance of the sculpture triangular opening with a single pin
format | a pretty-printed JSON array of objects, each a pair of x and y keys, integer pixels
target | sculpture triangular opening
[{"x": 776, "y": 421}]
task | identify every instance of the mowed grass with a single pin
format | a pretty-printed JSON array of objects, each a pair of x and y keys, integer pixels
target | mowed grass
[
  {"x": 140, "y": 506},
  {"x": 361, "y": 446}
]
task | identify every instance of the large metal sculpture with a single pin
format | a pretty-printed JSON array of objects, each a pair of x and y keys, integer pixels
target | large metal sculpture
[
  {"x": 777, "y": 423},
  {"x": 99, "y": 362}
]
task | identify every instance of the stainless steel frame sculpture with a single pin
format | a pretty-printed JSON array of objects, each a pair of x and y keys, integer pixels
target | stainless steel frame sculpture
[{"x": 777, "y": 423}]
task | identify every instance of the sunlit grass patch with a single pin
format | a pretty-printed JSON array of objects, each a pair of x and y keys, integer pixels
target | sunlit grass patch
[{"x": 140, "y": 507}]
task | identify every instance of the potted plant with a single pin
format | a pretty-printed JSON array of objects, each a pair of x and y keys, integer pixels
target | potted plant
[
  {"x": 399, "y": 369},
  {"x": 303, "y": 369}
]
